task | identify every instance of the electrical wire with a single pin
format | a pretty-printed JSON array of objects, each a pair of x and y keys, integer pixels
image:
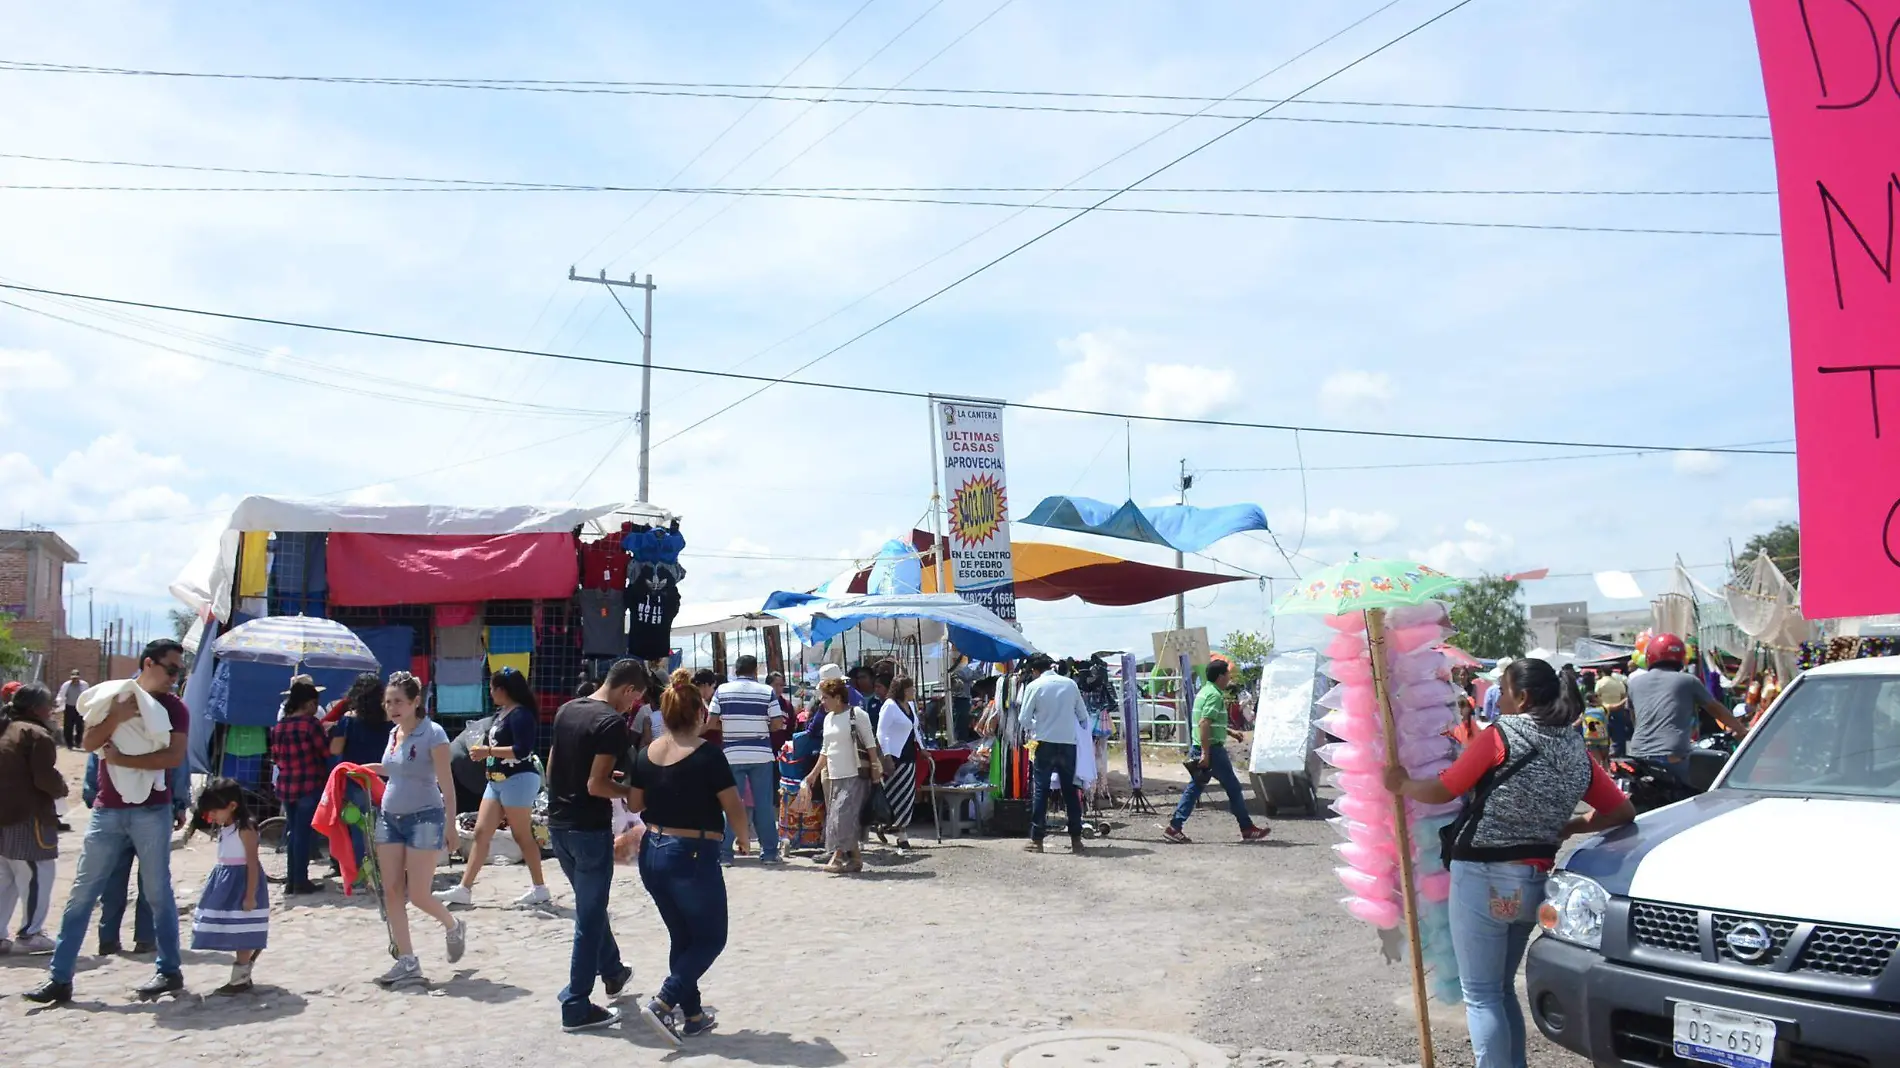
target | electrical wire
[
  {"x": 1058, "y": 227},
  {"x": 658, "y": 88},
  {"x": 884, "y": 391},
  {"x": 1462, "y": 463}
]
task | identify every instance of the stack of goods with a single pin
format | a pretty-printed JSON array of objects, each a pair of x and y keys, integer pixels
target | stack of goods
[
  {"x": 1833, "y": 650},
  {"x": 1423, "y": 709},
  {"x": 461, "y": 688}
]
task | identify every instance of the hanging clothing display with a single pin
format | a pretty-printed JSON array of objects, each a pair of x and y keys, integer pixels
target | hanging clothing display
[
  {"x": 603, "y": 622},
  {"x": 458, "y": 671},
  {"x": 460, "y": 700},
  {"x": 459, "y": 642},
  {"x": 457, "y": 615},
  {"x": 652, "y": 608},
  {"x": 499, "y": 662},
  {"x": 604, "y": 562},
  {"x": 511, "y": 639}
]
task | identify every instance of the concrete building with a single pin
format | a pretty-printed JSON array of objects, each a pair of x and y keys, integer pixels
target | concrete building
[{"x": 32, "y": 592}]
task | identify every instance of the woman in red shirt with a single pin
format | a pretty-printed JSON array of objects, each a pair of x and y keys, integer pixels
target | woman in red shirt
[{"x": 1522, "y": 778}]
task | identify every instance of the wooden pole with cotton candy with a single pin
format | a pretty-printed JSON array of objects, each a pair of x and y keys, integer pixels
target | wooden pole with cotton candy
[{"x": 1401, "y": 829}]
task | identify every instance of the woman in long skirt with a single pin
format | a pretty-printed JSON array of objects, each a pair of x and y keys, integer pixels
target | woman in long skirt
[
  {"x": 848, "y": 772},
  {"x": 898, "y": 738}
]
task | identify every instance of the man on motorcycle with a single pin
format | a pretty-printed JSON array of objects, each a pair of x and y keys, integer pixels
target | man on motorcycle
[{"x": 1666, "y": 700}]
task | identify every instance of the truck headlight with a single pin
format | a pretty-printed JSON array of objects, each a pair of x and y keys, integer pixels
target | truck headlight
[{"x": 1573, "y": 909}]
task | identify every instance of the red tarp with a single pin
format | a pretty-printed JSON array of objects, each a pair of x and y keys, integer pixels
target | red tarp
[{"x": 380, "y": 569}]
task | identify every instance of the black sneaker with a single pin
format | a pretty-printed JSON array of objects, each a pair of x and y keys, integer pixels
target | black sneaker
[
  {"x": 140, "y": 948},
  {"x": 159, "y": 985},
  {"x": 703, "y": 1025},
  {"x": 50, "y": 993},
  {"x": 615, "y": 984},
  {"x": 661, "y": 1020},
  {"x": 595, "y": 1019},
  {"x": 110, "y": 949}
]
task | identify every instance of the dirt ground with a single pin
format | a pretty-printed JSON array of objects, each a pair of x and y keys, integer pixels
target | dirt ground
[{"x": 922, "y": 960}]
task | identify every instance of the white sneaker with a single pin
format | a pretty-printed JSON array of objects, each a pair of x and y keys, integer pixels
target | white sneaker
[
  {"x": 406, "y": 971},
  {"x": 35, "y": 944},
  {"x": 536, "y": 896},
  {"x": 455, "y": 895}
]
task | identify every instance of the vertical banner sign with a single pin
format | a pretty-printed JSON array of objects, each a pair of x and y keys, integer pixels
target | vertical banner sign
[
  {"x": 977, "y": 491},
  {"x": 1832, "y": 70}
]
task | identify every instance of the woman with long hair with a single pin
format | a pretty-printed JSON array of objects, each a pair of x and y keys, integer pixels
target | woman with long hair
[
  {"x": 847, "y": 769},
  {"x": 685, "y": 791},
  {"x": 30, "y": 783},
  {"x": 417, "y": 821},
  {"x": 514, "y": 781},
  {"x": 899, "y": 739},
  {"x": 1521, "y": 778}
]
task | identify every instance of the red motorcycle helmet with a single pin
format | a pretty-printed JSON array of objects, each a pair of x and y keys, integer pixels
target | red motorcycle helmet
[{"x": 1667, "y": 649}]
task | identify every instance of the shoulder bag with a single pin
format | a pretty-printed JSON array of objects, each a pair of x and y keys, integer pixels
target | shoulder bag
[{"x": 1456, "y": 836}]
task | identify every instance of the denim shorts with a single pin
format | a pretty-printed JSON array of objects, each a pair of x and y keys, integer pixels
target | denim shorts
[
  {"x": 417, "y": 830},
  {"x": 515, "y": 791}
]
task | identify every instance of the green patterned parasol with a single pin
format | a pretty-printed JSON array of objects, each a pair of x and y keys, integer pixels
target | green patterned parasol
[{"x": 1360, "y": 585}]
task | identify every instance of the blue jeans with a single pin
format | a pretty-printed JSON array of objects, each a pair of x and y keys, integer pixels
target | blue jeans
[
  {"x": 762, "y": 781},
  {"x": 115, "y": 835},
  {"x": 587, "y": 859},
  {"x": 112, "y": 907},
  {"x": 683, "y": 877},
  {"x": 1057, "y": 759},
  {"x": 1493, "y": 909},
  {"x": 1220, "y": 766},
  {"x": 297, "y": 836}
]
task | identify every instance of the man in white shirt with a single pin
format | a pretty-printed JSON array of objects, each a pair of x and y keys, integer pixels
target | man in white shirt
[
  {"x": 1054, "y": 718},
  {"x": 745, "y": 711},
  {"x": 73, "y": 726}
]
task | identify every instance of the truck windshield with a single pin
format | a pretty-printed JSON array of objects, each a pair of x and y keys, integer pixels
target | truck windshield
[{"x": 1832, "y": 735}]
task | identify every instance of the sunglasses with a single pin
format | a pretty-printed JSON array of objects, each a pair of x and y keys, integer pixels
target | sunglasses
[{"x": 171, "y": 670}]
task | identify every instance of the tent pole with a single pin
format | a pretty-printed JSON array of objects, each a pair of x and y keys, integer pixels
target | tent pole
[{"x": 1381, "y": 685}]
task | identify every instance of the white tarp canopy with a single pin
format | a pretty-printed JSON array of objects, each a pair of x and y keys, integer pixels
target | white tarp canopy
[
  {"x": 207, "y": 581},
  {"x": 723, "y": 617}
]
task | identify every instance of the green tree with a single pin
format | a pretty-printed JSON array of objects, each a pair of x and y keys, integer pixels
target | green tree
[
  {"x": 1490, "y": 619},
  {"x": 181, "y": 621},
  {"x": 12, "y": 653},
  {"x": 1247, "y": 648},
  {"x": 1783, "y": 546}
]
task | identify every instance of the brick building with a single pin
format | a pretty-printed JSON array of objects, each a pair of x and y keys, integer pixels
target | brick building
[{"x": 32, "y": 591}]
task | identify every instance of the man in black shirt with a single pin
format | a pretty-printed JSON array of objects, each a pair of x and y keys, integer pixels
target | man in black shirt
[{"x": 590, "y": 739}]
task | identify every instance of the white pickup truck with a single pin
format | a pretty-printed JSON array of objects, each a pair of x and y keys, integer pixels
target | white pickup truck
[{"x": 1753, "y": 926}]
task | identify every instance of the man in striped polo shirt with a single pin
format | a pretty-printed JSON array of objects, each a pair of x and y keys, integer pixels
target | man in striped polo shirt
[{"x": 745, "y": 711}]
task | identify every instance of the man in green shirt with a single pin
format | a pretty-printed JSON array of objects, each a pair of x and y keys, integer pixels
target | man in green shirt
[{"x": 1208, "y": 759}]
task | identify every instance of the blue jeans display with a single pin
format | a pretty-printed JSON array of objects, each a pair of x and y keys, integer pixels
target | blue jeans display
[
  {"x": 1493, "y": 909},
  {"x": 297, "y": 837},
  {"x": 1220, "y": 767},
  {"x": 1054, "y": 759},
  {"x": 587, "y": 859},
  {"x": 114, "y": 836},
  {"x": 112, "y": 901},
  {"x": 759, "y": 782},
  {"x": 683, "y": 877}
]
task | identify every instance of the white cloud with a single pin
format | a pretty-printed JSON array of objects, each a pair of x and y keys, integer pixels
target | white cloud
[
  {"x": 33, "y": 369},
  {"x": 1695, "y": 464},
  {"x": 1354, "y": 393},
  {"x": 1356, "y": 528},
  {"x": 1478, "y": 550},
  {"x": 1107, "y": 372},
  {"x": 1769, "y": 509}
]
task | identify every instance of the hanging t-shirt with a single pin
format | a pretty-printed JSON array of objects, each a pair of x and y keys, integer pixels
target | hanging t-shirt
[
  {"x": 650, "y": 630},
  {"x": 603, "y": 622}
]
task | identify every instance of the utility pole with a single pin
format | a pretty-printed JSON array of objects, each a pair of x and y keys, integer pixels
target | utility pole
[
  {"x": 90, "y": 633},
  {"x": 1180, "y": 560},
  {"x": 646, "y": 362}
]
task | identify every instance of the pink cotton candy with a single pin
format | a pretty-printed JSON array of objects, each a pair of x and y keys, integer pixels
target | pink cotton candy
[
  {"x": 1350, "y": 623},
  {"x": 1366, "y": 885},
  {"x": 1361, "y": 729},
  {"x": 1353, "y": 672},
  {"x": 1370, "y": 835},
  {"x": 1434, "y": 887},
  {"x": 1412, "y": 639},
  {"x": 1384, "y": 914},
  {"x": 1422, "y": 666},
  {"x": 1358, "y": 699},
  {"x": 1420, "y": 750},
  {"x": 1371, "y": 859},
  {"x": 1416, "y": 615},
  {"x": 1431, "y": 721},
  {"x": 1364, "y": 783},
  {"x": 1376, "y": 811},
  {"x": 1349, "y": 756},
  {"x": 1346, "y": 647},
  {"x": 1425, "y": 694}
]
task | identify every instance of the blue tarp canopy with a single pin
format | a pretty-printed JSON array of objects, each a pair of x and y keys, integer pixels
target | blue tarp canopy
[
  {"x": 976, "y": 631},
  {"x": 1178, "y": 526}
]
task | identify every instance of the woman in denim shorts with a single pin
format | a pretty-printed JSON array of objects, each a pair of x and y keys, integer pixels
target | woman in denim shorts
[
  {"x": 418, "y": 819},
  {"x": 514, "y": 782}
]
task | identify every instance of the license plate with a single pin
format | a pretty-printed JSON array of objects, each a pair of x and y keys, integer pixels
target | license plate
[{"x": 1718, "y": 1036}]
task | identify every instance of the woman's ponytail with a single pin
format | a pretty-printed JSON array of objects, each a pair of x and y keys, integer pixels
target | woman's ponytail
[
  {"x": 681, "y": 707},
  {"x": 1568, "y": 708}
]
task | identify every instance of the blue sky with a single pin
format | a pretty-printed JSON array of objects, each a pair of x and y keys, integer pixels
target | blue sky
[{"x": 130, "y": 451}]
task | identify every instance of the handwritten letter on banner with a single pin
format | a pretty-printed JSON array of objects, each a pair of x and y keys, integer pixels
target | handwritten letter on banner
[{"x": 1832, "y": 69}]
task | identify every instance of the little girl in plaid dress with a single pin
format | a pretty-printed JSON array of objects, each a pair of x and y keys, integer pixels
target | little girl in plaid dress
[{"x": 234, "y": 912}]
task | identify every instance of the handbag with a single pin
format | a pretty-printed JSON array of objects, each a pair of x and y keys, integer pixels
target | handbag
[{"x": 886, "y": 766}]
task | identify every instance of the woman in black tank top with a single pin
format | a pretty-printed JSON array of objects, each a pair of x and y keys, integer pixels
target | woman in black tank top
[{"x": 685, "y": 792}]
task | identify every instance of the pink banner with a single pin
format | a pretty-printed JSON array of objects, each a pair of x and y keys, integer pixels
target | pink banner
[
  {"x": 1832, "y": 69},
  {"x": 382, "y": 569}
]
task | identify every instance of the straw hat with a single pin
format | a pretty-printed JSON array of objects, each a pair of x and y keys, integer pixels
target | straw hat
[{"x": 829, "y": 672}]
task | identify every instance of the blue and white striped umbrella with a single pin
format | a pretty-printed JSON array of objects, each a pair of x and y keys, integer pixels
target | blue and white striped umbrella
[{"x": 294, "y": 641}]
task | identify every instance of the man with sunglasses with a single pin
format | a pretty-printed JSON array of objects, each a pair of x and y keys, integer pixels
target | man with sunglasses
[{"x": 119, "y": 829}]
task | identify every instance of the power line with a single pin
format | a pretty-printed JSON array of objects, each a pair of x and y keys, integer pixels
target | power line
[
  {"x": 502, "y": 185},
  {"x": 729, "y": 90},
  {"x": 881, "y": 390},
  {"x": 1461, "y": 463},
  {"x": 1203, "y": 146}
]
